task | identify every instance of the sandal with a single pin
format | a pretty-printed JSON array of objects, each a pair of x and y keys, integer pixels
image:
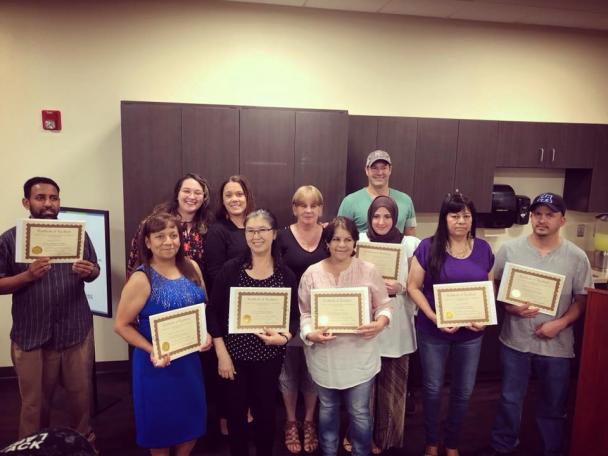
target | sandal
[
  {"x": 292, "y": 437},
  {"x": 311, "y": 441},
  {"x": 431, "y": 450},
  {"x": 376, "y": 449},
  {"x": 348, "y": 447}
]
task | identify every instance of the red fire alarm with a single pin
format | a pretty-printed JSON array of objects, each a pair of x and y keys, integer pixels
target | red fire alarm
[{"x": 51, "y": 120}]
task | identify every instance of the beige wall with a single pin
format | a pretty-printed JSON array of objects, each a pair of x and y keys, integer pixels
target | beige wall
[{"x": 83, "y": 58}]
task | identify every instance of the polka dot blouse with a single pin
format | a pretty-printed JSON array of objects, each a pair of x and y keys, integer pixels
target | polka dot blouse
[{"x": 249, "y": 347}]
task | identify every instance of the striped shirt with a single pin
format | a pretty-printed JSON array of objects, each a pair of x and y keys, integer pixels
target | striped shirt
[{"x": 52, "y": 311}]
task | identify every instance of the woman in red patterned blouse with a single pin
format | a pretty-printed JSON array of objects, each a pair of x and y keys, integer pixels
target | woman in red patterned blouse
[{"x": 190, "y": 204}]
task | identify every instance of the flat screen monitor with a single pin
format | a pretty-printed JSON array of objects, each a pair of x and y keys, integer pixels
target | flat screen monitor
[{"x": 99, "y": 291}]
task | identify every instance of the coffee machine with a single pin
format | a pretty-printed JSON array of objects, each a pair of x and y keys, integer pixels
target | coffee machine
[{"x": 600, "y": 243}]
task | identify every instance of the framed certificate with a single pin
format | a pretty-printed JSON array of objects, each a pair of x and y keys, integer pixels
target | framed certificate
[
  {"x": 522, "y": 285},
  {"x": 60, "y": 240},
  {"x": 178, "y": 332},
  {"x": 340, "y": 310},
  {"x": 460, "y": 304},
  {"x": 388, "y": 258},
  {"x": 252, "y": 309}
]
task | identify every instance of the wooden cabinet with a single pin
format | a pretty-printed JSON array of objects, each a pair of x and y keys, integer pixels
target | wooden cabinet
[
  {"x": 267, "y": 138},
  {"x": 362, "y": 139},
  {"x": 431, "y": 157},
  {"x": 586, "y": 189},
  {"x": 210, "y": 144},
  {"x": 437, "y": 142},
  {"x": 544, "y": 145},
  {"x": 598, "y": 193},
  {"x": 398, "y": 136},
  {"x": 320, "y": 155},
  {"x": 151, "y": 159},
  {"x": 476, "y": 161},
  {"x": 277, "y": 149}
]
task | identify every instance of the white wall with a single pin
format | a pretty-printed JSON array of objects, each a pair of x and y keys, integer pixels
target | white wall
[{"x": 85, "y": 57}]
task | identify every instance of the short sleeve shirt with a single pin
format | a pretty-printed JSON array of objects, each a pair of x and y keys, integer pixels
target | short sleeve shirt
[
  {"x": 569, "y": 260},
  {"x": 52, "y": 311},
  {"x": 474, "y": 268},
  {"x": 356, "y": 205}
]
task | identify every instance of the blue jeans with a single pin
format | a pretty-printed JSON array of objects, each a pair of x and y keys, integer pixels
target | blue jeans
[
  {"x": 434, "y": 352},
  {"x": 553, "y": 376},
  {"x": 357, "y": 403}
]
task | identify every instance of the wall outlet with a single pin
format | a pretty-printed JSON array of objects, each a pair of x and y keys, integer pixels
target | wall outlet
[{"x": 580, "y": 230}]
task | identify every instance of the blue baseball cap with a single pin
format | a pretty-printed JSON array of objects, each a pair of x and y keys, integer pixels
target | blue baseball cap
[{"x": 551, "y": 200}]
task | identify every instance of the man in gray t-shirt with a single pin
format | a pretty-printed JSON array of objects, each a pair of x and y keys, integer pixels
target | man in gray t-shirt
[{"x": 531, "y": 340}]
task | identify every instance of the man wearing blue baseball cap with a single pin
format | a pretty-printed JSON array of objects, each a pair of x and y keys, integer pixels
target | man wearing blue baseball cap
[{"x": 535, "y": 341}]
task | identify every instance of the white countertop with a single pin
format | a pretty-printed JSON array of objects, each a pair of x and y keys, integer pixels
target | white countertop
[{"x": 599, "y": 276}]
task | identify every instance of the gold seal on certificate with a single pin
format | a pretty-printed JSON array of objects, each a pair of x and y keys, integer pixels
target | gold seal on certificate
[
  {"x": 388, "y": 258},
  {"x": 178, "y": 332},
  {"x": 522, "y": 285},
  {"x": 460, "y": 304},
  {"x": 252, "y": 309},
  {"x": 340, "y": 310},
  {"x": 60, "y": 240}
]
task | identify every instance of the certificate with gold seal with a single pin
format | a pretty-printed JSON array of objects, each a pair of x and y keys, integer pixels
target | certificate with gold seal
[
  {"x": 522, "y": 285},
  {"x": 388, "y": 258},
  {"x": 252, "y": 309},
  {"x": 460, "y": 304},
  {"x": 178, "y": 332},
  {"x": 60, "y": 240},
  {"x": 340, "y": 310}
]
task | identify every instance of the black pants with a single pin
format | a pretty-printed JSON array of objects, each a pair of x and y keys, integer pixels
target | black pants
[{"x": 255, "y": 385}]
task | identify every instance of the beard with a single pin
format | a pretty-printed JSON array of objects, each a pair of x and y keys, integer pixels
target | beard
[{"x": 44, "y": 214}]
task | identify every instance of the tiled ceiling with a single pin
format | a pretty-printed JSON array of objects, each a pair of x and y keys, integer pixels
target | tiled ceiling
[{"x": 583, "y": 14}]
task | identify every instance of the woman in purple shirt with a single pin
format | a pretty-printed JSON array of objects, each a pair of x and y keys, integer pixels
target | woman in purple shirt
[{"x": 451, "y": 255}]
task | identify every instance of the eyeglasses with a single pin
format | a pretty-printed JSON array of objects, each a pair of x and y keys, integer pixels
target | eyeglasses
[{"x": 252, "y": 232}]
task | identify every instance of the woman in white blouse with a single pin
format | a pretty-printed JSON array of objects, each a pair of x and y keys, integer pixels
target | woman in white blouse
[
  {"x": 344, "y": 365},
  {"x": 398, "y": 341}
]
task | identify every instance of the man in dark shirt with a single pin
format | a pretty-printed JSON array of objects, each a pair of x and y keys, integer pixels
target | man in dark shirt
[{"x": 52, "y": 332}]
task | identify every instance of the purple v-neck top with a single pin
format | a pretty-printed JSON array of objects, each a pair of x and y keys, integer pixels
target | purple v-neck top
[{"x": 474, "y": 268}]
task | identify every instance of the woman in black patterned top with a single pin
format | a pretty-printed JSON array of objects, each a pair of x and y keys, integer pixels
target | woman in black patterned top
[{"x": 251, "y": 363}]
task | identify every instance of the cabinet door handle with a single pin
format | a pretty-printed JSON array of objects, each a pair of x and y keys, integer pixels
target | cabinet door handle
[
  {"x": 552, "y": 155},
  {"x": 542, "y": 154}
]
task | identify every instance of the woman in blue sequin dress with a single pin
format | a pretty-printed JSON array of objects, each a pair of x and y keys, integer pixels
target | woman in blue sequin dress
[{"x": 168, "y": 396}]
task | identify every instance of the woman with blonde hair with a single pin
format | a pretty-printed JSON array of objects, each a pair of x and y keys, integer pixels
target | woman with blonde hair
[{"x": 301, "y": 245}]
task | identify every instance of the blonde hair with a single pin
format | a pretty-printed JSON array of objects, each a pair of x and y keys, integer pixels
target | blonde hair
[{"x": 306, "y": 191}]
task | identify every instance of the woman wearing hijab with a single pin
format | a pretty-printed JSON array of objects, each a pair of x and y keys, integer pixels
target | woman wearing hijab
[{"x": 399, "y": 339}]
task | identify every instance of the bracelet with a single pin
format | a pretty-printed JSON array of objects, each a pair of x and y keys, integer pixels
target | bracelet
[{"x": 286, "y": 339}]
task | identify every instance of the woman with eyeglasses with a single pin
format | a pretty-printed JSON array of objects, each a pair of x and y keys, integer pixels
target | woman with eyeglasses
[
  {"x": 250, "y": 363},
  {"x": 190, "y": 204},
  {"x": 452, "y": 255}
]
